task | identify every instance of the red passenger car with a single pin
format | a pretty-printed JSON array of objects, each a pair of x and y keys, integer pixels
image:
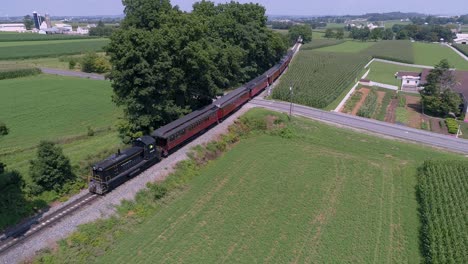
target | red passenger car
[
  {"x": 231, "y": 101},
  {"x": 176, "y": 133}
]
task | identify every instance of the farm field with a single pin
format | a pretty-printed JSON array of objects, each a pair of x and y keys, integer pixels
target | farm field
[
  {"x": 443, "y": 188},
  {"x": 385, "y": 72},
  {"x": 390, "y": 23},
  {"x": 348, "y": 46},
  {"x": 320, "y": 43},
  {"x": 430, "y": 54},
  {"x": 395, "y": 50},
  {"x": 462, "y": 48},
  {"x": 319, "y": 78},
  {"x": 335, "y": 187},
  {"x": 10, "y": 36},
  {"x": 35, "y": 49},
  {"x": 52, "y": 108}
]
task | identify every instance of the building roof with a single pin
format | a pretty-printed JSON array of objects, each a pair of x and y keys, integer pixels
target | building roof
[
  {"x": 461, "y": 81},
  {"x": 401, "y": 74}
]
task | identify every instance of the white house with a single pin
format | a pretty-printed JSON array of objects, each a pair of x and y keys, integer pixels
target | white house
[
  {"x": 410, "y": 81},
  {"x": 82, "y": 31},
  {"x": 461, "y": 39},
  {"x": 12, "y": 27}
]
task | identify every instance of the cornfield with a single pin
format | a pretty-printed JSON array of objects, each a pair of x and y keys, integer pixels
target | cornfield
[
  {"x": 394, "y": 50},
  {"x": 318, "y": 78},
  {"x": 443, "y": 197},
  {"x": 320, "y": 43},
  {"x": 462, "y": 48}
]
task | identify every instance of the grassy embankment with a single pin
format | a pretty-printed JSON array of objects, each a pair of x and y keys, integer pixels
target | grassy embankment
[{"x": 326, "y": 189}]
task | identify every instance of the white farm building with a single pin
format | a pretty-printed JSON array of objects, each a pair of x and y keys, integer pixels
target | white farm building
[{"x": 12, "y": 27}]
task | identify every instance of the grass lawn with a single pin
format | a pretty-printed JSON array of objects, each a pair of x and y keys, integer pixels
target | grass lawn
[
  {"x": 281, "y": 31},
  {"x": 431, "y": 54},
  {"x": 401, "y": 115},
  {"x": 348, "y": 46},
  {"x": 49, "y": 107},
  {"x": 330, "y": 196},
  {"x": 335, "y": 25},
  {"x": 385, "y": 72}
]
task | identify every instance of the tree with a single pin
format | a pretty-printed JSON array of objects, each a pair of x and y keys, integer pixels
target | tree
[
  {"x": 376, "y": 33},
  {"x": 339, "y": 33},
  {"x": 387, "y": 34},
  {"x": 329, "y": 33},
  {"x": 166, "y": 63},
  {"x": 437, "y": 95},
  {"x": 51, "y": 169},
  {"x": 305, "y": 31},
  {"x": 28, "y": 22},
  {"x": 4, "y": 130}
]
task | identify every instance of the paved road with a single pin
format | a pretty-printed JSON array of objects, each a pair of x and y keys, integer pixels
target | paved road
[
  {"x": 392, "y": 130},
  {"x": 73, "y": 73}
]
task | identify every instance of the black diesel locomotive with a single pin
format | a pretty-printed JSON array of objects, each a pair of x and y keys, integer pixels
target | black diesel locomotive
[{"x": 149, "y": 150}]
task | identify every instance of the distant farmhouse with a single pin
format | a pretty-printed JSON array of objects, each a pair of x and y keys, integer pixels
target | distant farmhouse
[
  {"x": 461, "y": 39},
  {"x": 415, "y": 81}
]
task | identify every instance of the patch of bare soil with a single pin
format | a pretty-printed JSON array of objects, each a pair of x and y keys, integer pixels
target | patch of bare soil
[
  {"x": 390, "y": 116},
  {"x": 435, "y": 126},
  {"x": 365, "y": 92},
  {"x": 413, "y": 106}
]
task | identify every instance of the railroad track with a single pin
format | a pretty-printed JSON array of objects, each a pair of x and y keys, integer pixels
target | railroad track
[{"x": 23, "y": 233}]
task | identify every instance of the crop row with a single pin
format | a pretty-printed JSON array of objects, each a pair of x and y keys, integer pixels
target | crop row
[
  {"x": 462, "y": 48},
  {"x": 443, "y": 197},
  {"x": 318, "y": 78},
  {"x": 54, "y": 49},
  {"x": 369, "y": 106},
  {"x": 395, "y": 50},
  {"x": 6, "y": 37},
  {"x": 320, "y": 43},
  {"x": 10, "y": 73}
]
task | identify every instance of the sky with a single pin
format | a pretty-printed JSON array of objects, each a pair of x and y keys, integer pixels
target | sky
[{"x": 274, "y": 7}]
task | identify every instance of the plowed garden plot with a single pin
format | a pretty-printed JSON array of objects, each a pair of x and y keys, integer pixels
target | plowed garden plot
[
  {"x": 364, "y": 92},
  {"x": 319, "y": 195},
  {"x": 390, "y": 116}
]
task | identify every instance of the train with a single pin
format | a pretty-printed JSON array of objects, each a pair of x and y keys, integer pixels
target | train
[{"x": 150, "y": 149}]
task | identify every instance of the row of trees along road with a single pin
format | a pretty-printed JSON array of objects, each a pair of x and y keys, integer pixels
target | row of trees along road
[{"x": 167, "y": 63}]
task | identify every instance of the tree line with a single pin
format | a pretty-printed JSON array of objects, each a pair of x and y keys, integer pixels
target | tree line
[{"x": 167, "y": 63}]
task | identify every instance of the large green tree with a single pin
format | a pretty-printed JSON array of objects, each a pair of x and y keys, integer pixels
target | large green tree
[
  {"x": 28, "y": 22},
  {"x": 304, "y": 31},
  {"x": 167, "y": 63},
  {"x": 438, "y": 97},
  {"x": 51, "y": 169}
]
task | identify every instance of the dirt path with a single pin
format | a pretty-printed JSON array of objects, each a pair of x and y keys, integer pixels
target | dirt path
[
  {"x": 390, "y": 116},
  {"x": 365, "y": 92}
]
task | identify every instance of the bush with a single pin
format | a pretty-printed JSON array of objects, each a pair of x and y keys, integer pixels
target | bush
[
  {"x": 92, "y": 62},
  {"x": 51, "y": 169},
  {"x": 72, "y": 64},
  {"x": 90, "y": 132},
  {"x": 4, "y": 130},
  {"x": 452, "y": 125}
]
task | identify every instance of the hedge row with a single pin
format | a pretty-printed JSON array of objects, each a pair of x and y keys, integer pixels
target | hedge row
[{"x": 17, "y": 73}]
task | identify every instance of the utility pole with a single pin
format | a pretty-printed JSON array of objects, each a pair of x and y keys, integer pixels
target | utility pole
[{"x": 290, "y": 100}]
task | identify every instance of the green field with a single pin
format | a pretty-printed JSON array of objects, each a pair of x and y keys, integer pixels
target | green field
[
  {"x": 320, "y": 43},
  {"x": 36, "y": 49},
  {"x": 385, "y": 72},
  {"x": 394, "y": 50},
  {"x": 330, "y": 196},
  {"x": 348, "y": 46},
  {"x": 335, "y": 25},
  {"x": 52, "y": 108},
  {"x": 443, "y": 190},
  {"x": 390, "y": 23},
  {"x": 319, "y": 78},
  {"x": 9, "y": 36},
  {"x": 430, "y": 54}
]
